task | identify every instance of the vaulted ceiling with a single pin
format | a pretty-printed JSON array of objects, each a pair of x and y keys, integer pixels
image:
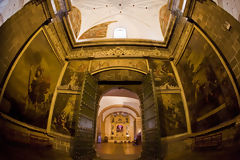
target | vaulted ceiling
[{"x": 140, "y": 18}]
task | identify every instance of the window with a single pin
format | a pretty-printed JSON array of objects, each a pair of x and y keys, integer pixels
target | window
[{"x": 120, "y": 33}]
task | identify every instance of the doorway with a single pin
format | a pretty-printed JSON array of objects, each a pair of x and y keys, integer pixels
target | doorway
[
  {"x": 107, "y": 113},
  {"x": 119, "y": 125}
]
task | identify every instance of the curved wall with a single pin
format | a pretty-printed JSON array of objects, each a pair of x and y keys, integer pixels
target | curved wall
[{"x": 172, "y": 85}]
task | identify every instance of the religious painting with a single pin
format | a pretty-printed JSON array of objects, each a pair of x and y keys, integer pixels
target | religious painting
[
  {"x": 119, "y": 75},
  {"x": 172, "y": 114},
  {"x": 29, "y": 91},
  {"x": 164, "y": 77},
  {"x": 119, "y": 128},
  {"x": 73, "y": 76},
  {"x": 63, "y": 113},
  {"x": 209, "y": 91}
]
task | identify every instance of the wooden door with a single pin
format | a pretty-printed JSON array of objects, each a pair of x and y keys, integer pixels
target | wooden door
[
  {"x": 85, "y": 118},
  {"x": 150, "y": 120}
]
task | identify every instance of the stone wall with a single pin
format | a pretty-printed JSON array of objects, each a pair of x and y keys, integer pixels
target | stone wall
[
  {"x": 222, "y": 29},
  {"x": 16, "y": 31}
]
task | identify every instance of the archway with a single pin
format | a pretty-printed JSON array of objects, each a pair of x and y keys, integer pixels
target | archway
[{"x": 119, "y": 125}]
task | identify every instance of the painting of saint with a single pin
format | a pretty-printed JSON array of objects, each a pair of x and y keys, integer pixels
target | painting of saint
[
  {"x": 31, "y": 85},
  {"x": 209, "y": 91},
  {"x": 63, "y": 114}
]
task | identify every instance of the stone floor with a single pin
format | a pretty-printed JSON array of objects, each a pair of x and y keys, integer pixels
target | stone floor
[{"x": 113, "y": 151}]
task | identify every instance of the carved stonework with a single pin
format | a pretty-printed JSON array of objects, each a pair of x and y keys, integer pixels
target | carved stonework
[
  {"x": 124, "y": 51},
  {"x": 139, "y": 64},
  {"x": 51, "y": 33}
]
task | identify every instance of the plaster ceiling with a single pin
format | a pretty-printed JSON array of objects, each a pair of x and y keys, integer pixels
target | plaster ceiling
[
  {"x": 113, "y": 110},
  {"x": 140, "y": 18},
  {"x": 121, "y": 92},
  {"x": 10, "y": 7},
  {"x": 117, "y": 100}
]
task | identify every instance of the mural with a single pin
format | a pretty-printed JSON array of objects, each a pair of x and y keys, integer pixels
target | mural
[
  {"x": 75, "y": 20},
  {"x": 98, "y": 31},
  {"x": 164, "y": 17},
  {"x": 209, "y": 92},
  {"x": 62, "y": 120},
  {"x": 163, "y": 74},
  {"x": 29, "y": 91},
  {"x": 172, "y": 115},
  {"x": 119, "y": 75},
  {"x": 73, "y": 76}
]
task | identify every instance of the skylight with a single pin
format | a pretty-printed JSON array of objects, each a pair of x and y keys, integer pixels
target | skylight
[{"x": 120, "y": 33}]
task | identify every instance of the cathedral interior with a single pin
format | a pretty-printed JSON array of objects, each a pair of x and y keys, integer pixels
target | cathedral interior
[{"x": 119, "y": 79}]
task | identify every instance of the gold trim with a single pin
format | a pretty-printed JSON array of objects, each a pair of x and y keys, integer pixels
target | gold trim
[
  {"x": 179, "y": 56},
  {"x": 221, "y": 125},
  {"x": 170, "y": 28},
  {"x": 14, "y": 66},
  {"x": 50, "y": 8},
  {"x": 20, "y": 55},
  {"x": 189, "y": 8},
  {"x": 147, "y": 64},
  {"x": 168, "y": 91},
  {"x": 68, "y": 29},
  {"x": 68, "y": 5},
  {"x": 177, "y": 136},
  {"x": 222, "y": 61},
  {"x": 89, "y": 66},
  {"x": 54, "y": 97},
  {"x": 126, "y": 112},
  {"x": 45, "y": 32},
  {"x": 111, "y": 41},
  {"x": 68, "y": 91},
  {"x": 189, "y": 130},
  {"x": 211, "y": 112},
  {"x": 118, "y": 68}
]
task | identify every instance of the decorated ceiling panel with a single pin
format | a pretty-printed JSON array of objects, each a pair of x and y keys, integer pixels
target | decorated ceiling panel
[{"x": 138, "y": 18}]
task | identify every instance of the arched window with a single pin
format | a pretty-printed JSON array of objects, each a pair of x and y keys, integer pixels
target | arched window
[{"x": 120, "y": 33}]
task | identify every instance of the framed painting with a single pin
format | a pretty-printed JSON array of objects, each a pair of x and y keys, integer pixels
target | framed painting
[
  {"x": 74, "y": 74},
  {"x": 172, "y": 114},
  {"x": 209, "y": 89},
  {"x": 63, "y": 114},
  {"x": 163, "y": 74},
  {"x": 29, "y": 87}
]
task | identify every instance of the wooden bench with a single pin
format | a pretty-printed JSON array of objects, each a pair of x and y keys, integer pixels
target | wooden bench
[{"x": 207, "y": 141}]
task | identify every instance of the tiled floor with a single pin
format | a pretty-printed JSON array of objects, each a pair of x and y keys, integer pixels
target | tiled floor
[{"x": 113, "y": 151}]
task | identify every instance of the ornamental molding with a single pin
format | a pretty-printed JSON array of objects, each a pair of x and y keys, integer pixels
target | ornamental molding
[{"x": 101, "y": 52}]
